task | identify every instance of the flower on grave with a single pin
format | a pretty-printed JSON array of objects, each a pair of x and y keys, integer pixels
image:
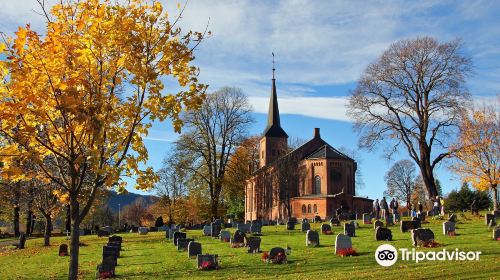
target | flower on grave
[
  {"x": 206, "y": 265},
  {"x": 105, "y": 275},
  {"x": 327, "y": 232},
  {"x": 226, "y": 239},
  {"x": 347, "y": 252},
  {"x": 431, "y": 244},
  {"x": 265, "y": 256},
  {"x": 451, "y": 233},
  {"x": 498, "y": 238},
  {"x": 280, "y": 258}
]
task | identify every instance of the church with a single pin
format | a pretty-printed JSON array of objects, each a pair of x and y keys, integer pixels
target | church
[{"x": 314, "y": 179}]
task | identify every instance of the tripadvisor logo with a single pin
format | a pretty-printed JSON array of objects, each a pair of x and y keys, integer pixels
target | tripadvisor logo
[{"x": 387, "y": 255}]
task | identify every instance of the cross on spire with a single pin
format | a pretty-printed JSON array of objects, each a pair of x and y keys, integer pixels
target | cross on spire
[{"x": 273, "y": 65}]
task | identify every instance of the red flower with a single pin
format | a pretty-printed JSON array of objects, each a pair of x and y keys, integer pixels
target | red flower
[
  {"x": 347, "y": 252},
  {"x": 498, "y": 238},
  {"x": 327, "y": 232},
  {"x": 432, "y": 244},
  {"x": 451, "y": 234},
  {"x": 265, "y": 256}
]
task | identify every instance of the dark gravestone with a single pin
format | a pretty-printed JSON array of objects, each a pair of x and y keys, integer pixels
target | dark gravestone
[
  {"x": 244, "y": 228},
  {"x": 63, "y": 250},
  {"x": 110, "y": 252},
  {"x": 488, "y": 218},
  {"x": 448, "y": 228},
  {"x": 207, "y": 230},
  {"x": 421, "y": 216},
  {"x": 334, "y": 222},
  {"x": 194, "y": 249},
  {"x": 178, "y": 235},
  {"x": 103, "y": 233},
  {"x": 317, "y": 219},
  {"x": 238, "y": 239},
  {"x": 382, "y": 233},
  {"x": 378, "y": 224},
  {"x": 115, "y": 238},
  {"x": 326, "y": 229},
  {"x": 116, "y": 246},
  {"x": 342, "y": 242},
  {"x": 349, "y": 230},
  {"x": 305, "y": 226},
  {"x": 225, "y": 236},
  {"x": 422, "y": 237},
  {"x": 312, "y": 238},
  {"x": 409, "y": 225},
  {"x": 253, "y": 244},
  {"x": 106, "y": 269},
  {"x": 215, "y": 229},
  {"x": 496, "y": 233},
  {"x": 256, "y": 228},
  {"x": 293, "y": 220},
  {"x": 290, "y": 225},
  {"x": 277, "y": 255},
  {"x": 172, "y": 232},
  {"x": 182, "y": 243},
  {"x": 207, "y": 261}
]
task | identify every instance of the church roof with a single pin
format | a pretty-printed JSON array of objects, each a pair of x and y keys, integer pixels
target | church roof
[
  {"x": 273, "y": 128},
  {"x": 328, "y": 152}
]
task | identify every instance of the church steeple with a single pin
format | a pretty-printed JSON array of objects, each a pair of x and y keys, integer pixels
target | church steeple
[{"x": 273, "y": 128}]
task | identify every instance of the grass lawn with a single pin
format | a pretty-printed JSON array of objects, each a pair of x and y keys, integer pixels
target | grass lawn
[{"x": 153, "y": 257}]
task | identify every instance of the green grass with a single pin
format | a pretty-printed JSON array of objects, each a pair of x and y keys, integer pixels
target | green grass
[{"x": 153, "y": 257}]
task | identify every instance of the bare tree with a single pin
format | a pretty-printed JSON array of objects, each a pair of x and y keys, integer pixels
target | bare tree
[
  {"x": 413, "y": 96},
  {"x": 136, "y": 212},
  {"x": 400, "y": 181},
  {"x": 214, "y": 132}
]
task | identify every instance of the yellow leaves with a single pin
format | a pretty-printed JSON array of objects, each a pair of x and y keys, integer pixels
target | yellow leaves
[
  {"x": 2, "y": 47},
  {"x": 20, "y": 41}
]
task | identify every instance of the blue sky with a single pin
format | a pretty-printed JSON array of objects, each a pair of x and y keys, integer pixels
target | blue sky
[{"x": 321, "y": 49}]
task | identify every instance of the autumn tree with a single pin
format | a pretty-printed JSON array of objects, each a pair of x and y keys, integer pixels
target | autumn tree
[
  {"x": 477, "y": 150},
  {"x": 412, "y": 96},
  {"x": 87, "y": 91},
  {"x": 213, "y": 133},
  {"x": 46, "y": 201},
  {"x": 137, "y": 213},
  {"x": 400, "y": 181}
]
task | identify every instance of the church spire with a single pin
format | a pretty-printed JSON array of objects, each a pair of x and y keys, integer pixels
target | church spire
[{"x": 273, "y": 128}]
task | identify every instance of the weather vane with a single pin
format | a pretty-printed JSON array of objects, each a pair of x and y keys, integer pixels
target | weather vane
[{"x": 273, "y": 64}]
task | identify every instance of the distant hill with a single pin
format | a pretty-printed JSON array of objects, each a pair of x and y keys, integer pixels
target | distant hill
[{"x": 126, "y": 199}]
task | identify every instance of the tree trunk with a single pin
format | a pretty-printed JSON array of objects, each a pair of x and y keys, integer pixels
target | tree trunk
[
  {"x": 75, "y": 238},
  {"x": 16, "y": 219},
  {"x": 68, "y": 218},
  {"x": 428, "y": 175},
  {"x": 495, "y": 196},
  {"x": 48, "y": 230},
  {"x": 29, "y": 216}
]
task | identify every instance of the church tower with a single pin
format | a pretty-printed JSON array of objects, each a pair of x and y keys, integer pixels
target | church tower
[{"x": 273, "y": 143}]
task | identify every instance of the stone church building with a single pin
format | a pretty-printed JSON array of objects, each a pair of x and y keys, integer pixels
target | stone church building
[{"x": 313, "y": 180}]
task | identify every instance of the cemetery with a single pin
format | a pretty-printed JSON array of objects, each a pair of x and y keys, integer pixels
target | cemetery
[{"x": 196, "y": 255}]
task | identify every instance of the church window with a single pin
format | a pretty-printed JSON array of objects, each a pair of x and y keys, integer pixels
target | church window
[
  {"x": 309, "y": 208},
  {"x": 315, "y": 207},
  {"x": 317, "y": 185},
  {"x": 303, "y": 208}
]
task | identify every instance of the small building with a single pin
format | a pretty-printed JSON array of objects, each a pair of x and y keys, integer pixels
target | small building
[{"x": 314, "y": 179}]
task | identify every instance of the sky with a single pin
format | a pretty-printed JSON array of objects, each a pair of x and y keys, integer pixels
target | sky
[{"x": 321, "y": 48}]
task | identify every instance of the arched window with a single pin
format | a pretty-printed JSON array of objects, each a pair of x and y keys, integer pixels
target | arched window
[
  {"x": 303, "y": 208},
  {"x": 309, "y": 208},
  {"x": 317, "y": 185},
  {"x": 315, "y": 208}
]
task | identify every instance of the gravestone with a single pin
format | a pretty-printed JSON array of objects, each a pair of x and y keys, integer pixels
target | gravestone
[
  {"x": 496, "y": 233},
  {"x": 167, "y": 233},
  {"x": 355, "y": 224},
  {"x": 238, "y": 239},
  {"x": 342, "y": 242},
  {"x": 382, "y": 233},
  {"x": 422, "y": 236},
  {"x": 334, "y": 222},
  {"x": 106, "y": 269},
  {"x": 163, "y": 228},
  {"x": 172, "y": 232},
  {"x": 256, "y": 222},
  {"x": 290, "y": 225},
  {"x": 215, "y": 229},
  {"x": 326, "y": 229},
  {"x": 244, "y": 228},
  {"x": 378, "y": 223},
  {"x": 496, "y": 213},
  {"x": 492, "y": 224},
  {"x": 178, "y": 235},
  {"x": 293, "y": 220},
  {"x": 305, "y": 226},
  {"x": 277, "y": 255},
  {"x": 143, "y": 230},
  {"x": 103, "y": 233},
  {"x": 488, "y": 218},
  {"x": 225, "y": 236},
  {"x": 312, "y": 238},
  {"x": 110, "y": 252},
  {"x": 448, "y": 227},
  {"x": 256, "y": 228},
  {"x": 207, "y": 230},
  {"x": 253, "y": 244},
  {"x": 115, "y": 238},
  {"x": 349, "y": 230},
  {"x": 452, "y": 218},
  {"x": 265, "y": 222},
  {"x": 235, "y": 224},
  {"x": 63, "y": 250},
  {"x": 194, "y": 249},
  {"x": 117, "y": 246},
  {"x": 421, "y": 216},
  {"x": 317, "y": 219},
  {"x": 409, "y": 225},
  {"x": 182, "y": 243},
  {"x": 367, "y": 219},
  {"x": 207, "y": 261}
]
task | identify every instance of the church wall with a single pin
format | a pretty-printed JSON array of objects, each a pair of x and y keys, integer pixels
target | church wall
[{"x": 320, "y": 207}]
